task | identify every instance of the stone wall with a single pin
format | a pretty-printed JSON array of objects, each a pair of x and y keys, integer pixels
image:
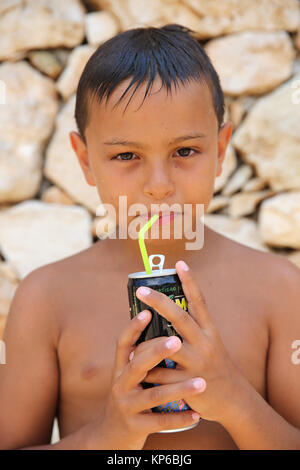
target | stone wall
[{"x": 47, "y": 210}]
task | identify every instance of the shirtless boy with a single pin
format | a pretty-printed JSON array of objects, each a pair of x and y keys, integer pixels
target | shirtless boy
[{"x": 69, "y": 335}]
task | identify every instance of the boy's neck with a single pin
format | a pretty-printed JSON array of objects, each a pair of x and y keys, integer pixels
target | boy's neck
[{"x": 126, "y": 256}]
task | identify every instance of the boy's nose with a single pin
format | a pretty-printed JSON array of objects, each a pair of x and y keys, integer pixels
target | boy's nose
[{"x": 158, "y": 184}]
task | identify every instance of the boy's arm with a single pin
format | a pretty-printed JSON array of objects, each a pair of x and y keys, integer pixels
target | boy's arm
[
  {"x": 275, "y": 424},
  {"x": 29, "y": 379}
]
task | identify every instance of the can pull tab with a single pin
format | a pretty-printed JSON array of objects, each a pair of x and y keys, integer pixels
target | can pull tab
[{"x": 159, "y": 265}]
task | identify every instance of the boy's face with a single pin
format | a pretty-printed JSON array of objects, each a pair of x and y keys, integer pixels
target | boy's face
[{"x": 158, "y": 163}]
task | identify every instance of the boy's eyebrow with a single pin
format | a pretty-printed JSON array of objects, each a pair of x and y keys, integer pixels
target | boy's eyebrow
[{"x": 119, "y": 141}]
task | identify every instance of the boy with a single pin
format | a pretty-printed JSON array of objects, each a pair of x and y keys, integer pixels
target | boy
[{"x": 70, "y": 343}]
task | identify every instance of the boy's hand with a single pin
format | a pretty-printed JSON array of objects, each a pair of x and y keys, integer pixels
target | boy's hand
[
  {"x": 127, "y": 418},
  {"x": 202, "y": 353}
]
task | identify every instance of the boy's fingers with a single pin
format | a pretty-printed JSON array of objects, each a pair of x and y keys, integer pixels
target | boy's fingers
[
  {"x": 162, "y": 394},
  {"x": 128, "y": 338},
  {"x": 196, "y": 301},
  {"x": 154, "y": 351},
  {"x": 182, "y": 321},
  {"x": 160, "y": 375},
  {"x": 156, "y": 422},
  {"x": 182, "y": 356}
]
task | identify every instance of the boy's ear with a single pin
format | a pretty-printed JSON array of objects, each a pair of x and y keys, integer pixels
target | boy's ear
[
  {"x": 223, "y": 140},
  {"x": 81, "y": 152}
]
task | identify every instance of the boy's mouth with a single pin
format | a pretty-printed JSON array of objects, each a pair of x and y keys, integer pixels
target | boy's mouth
[{"x": 164, "y": 217}]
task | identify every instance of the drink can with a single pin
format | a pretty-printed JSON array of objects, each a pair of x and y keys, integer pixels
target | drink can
[{"x": 168, "y": 282}]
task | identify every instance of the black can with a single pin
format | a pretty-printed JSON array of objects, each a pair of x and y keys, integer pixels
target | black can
[{"x": 166, "y": 281}]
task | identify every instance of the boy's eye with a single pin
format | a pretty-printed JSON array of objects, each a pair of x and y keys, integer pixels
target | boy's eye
[
  {"x": 127, "y": 155},
  {"x": 185, "y": 149}
]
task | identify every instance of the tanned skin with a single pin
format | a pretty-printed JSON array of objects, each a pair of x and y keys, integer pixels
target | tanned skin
[{"x": 69, "y": 335}]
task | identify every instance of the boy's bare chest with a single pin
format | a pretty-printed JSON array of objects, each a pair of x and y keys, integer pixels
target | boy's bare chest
[{"x": 87, "y": 347}]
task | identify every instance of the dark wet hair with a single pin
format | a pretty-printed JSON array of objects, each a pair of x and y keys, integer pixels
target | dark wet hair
[{"x": 172, "y": 52}]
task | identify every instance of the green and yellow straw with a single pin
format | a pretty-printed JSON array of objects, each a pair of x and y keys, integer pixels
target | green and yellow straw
[{"x": 142, "y": 243}]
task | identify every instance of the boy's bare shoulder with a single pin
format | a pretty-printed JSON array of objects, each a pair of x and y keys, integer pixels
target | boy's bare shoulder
[
  {"x": 46, "y": 289},
  {"x": 62, "y": 271},
  {"x": 258, "y": 258},
  {"x": 274, "y": 278}
]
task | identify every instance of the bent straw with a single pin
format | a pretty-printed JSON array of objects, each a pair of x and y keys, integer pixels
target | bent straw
[{"x": 142, "y": 243}]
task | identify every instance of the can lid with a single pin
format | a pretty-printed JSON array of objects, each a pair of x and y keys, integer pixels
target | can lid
[{"x": 155, "y": 273}]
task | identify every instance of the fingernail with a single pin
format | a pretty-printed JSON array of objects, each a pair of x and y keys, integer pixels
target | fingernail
[
  {"x": 173, "y": 342},
  {"x": 131, "y": 355},
  {"x": 143, "y": 315},
  {"x": 183, "y": 265},
  {"x": 143, "y": 291},
  {"x": 195, "y": 416},
  {"x": 199, "y": 384}
]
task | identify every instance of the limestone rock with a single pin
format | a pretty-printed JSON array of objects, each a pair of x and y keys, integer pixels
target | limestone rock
[
  {"x": 34, "y": 233},
  {"x": 178, "y": 12},
  {"x": 20, "y": 166},
  {"x": 45, "y": 184},
  {"x": 8, "y": 271},
  {"x": 62, "y": 55},
  {"x": 229, "y": 165},
  {"x": 217, "y": 203},
  {"x": 38, "y": 24},
  {"x": 238, "y": 180},
  {"x": 279, "y": 220},
  {"x": 5, "y": 206},
  {"x": 100, "y": 26},
  {"x": 62, "y": 166},
  {"x": 227, "y": 103},
  {"x": 254, "y": 184},
  {"x": 229, "y": 16},
  {"x": 94, "y": 226},
  {"x": 30, "y": 104},
  {"x": 297, "y": 39},
  {"x": 68, "y": 80},
  {"x": 252, "y": 62},
  {"x": 53, "y": 194},
  {"x": 241, "y": 230},
  {"x": 133, "y": 13},
  {"x": 295, "y": 258},
  {"x": 140, "y": 13},
  {"x": 26, "y": 122},
  {"x": 269, "y": 137},
  {"x": 209, "y": 18},
  {"x": 3, "y": 319},
  {"x": 46, "y": 62},
  {"x": 238, "y": 108},
  {"x": 296, "y": 71},
  {"x": 245, "y": 203},
  {"x": 8, "y": 285}
]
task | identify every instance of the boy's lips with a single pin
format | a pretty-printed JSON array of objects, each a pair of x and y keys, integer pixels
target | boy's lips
[
  {"x": 164, "y": 217},
  {"x": 161, "y": 215}
]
